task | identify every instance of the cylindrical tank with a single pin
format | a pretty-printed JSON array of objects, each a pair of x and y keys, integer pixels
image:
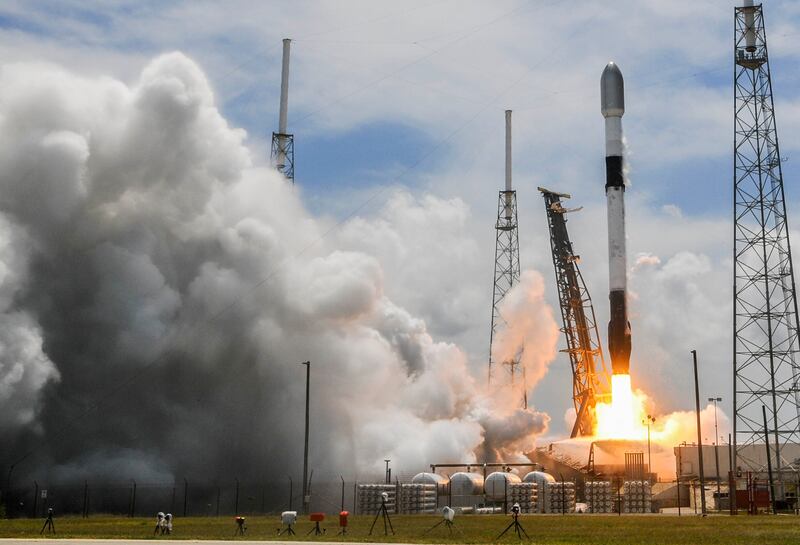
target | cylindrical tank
[
  {"x": 539, "y": 477},
  {"x": 466, "y": 484},
  {"x": 497, "y": 483},
  {"x": 431, "y": 478}
]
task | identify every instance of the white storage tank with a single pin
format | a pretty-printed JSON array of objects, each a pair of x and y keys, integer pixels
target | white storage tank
[
  {"x": 540, "y": 478},
  {"x": 466, "y": 484},
  {"x": 498, "y": 483},
  {"x": 432, "y": 478}
]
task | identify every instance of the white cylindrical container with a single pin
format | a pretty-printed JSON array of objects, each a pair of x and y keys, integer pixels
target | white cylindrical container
[
  {"x": 466, "y": 484},
  {"x": 431, "y": 478},
  {"x": 498, "y": 484},
  {"x": 539, "y": 477}
]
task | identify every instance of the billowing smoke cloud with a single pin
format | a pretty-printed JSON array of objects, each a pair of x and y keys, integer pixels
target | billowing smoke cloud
[
  {"x": 150, "y": 268},
  {"x": 532, "y": 334}
]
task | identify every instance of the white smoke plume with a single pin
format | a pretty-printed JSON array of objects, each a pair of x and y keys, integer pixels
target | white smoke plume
[
  {"x": 140, "y": 238},
  {"x": 532, "y": 331}
]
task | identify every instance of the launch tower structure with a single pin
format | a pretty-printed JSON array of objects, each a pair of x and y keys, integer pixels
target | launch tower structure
[
  {"x": 506, "y": 271},
  {"x": 282, "y": 151},
  {"x": 765, "y": 316},
  {"x": 589, "y": 374}
]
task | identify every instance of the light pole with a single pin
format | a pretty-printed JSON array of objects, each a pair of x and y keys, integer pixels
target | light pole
[
  {"x": 647, "y": 421},
  {"x": 714, "y": 400},
  {"x": 306, "y": 499},
  {"x": 699, "y": 436}
]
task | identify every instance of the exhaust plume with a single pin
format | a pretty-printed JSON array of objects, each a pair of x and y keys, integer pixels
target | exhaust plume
[{"x": 139, "y": 237}]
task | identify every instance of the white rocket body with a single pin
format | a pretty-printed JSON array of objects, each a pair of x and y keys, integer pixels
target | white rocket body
[{"x": 612, "y": 97}]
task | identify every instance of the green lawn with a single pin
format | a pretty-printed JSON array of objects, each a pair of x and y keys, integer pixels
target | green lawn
[{"x": 543, "y": 529}]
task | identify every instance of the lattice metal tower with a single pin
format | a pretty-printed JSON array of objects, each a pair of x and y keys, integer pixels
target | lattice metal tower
[
  {"x": 282, "y": 151},
  {"x": 589, "y": 373},
  {"x": 506, "y": 271},
  {"x": 765, "y": 317}
]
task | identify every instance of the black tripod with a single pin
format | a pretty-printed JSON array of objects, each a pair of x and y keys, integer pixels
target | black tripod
[
  {"x": 287, "y": 531},
  {"x": 517, "y": 528},
  {"x": 240, "y": 527},
  {"x": 448, "y": 523},
  {"x": 386, "y": 520},
  {"x": 49, "y": 525},
  {"x": 316, "y": 529}
]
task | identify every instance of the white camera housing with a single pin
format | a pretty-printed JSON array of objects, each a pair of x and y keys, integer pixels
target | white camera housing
[
  {"x": 448, "y": 513},
  {"x": 289, "y": 517}
]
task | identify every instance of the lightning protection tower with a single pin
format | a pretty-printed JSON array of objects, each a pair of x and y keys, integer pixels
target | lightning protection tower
[
  {"x": 589, "y": 374},
  {"x": 765, "y": 318},
  {"x": 282, "y": 152},
  {"x": 506, "y": 272}
]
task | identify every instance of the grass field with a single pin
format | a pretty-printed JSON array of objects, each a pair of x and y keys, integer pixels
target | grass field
[{"x": 543, "y": 529}]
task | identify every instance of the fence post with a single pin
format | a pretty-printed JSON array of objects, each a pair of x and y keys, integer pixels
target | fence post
[
  {"x": 263, "y": 499},
  {"x": 185, "y": 496},
  {"x": 219, "y": 492},
  {"x": 172, "y": 504},
  {"x": 342, "y": 478},
  {"x": 505, "y": 492},
  {"x": 35, "y": 498},
  {"x": 85, "y": 499},
  {"x": 133, "y": 500},
  {"x": 236, "y": 500}
]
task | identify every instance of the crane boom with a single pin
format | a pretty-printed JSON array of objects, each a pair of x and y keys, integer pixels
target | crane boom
[{"x": 589, "y": 374}]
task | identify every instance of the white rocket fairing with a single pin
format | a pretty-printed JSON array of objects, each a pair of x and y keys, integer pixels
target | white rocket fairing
[{"x": 612, "y": 99}]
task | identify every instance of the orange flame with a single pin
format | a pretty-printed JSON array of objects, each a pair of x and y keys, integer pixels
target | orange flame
[{"x": 624, "y": 417}]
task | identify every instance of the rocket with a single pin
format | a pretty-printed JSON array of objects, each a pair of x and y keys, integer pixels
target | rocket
[{"x": 612, "y": 106}]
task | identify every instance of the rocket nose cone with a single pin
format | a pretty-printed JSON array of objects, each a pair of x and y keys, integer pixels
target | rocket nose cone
[{"x": 612, "y": 91}]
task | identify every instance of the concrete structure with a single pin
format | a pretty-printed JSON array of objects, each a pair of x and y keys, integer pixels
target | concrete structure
[{"x": 687, "y": 457}]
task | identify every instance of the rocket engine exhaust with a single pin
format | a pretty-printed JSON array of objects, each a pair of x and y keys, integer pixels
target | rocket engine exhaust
[{"x": 612, "y": 99}]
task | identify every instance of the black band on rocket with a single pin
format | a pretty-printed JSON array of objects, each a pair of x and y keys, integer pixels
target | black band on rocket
[
  {"x": 619, "y": 333},
  {"x": 614, "y": 172}
]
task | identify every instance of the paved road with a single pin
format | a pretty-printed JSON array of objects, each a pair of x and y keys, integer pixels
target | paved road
[{"x": 50, "y": 541}]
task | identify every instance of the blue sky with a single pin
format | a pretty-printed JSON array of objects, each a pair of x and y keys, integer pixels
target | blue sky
[{"x": 412, "y": 94}]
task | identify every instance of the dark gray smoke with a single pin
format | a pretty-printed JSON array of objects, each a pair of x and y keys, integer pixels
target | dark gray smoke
[{"x": 155, "y": 304}]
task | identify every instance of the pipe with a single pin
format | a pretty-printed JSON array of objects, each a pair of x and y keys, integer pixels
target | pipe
[
  {"x": 284, "y": 111},
  {"x": 284, "y": 106},
  {"x": 508, "y": 166},
  {"x": 699, "y": 435},
  {"x": 749, "y": 25}
]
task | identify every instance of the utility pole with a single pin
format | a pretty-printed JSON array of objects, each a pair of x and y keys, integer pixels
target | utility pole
[
  {"x": 306, "y": 499},
  {"x": 731, "y": 479},
  {"x": 699, "y": 435},
  {"x": 716, "y": 445}
]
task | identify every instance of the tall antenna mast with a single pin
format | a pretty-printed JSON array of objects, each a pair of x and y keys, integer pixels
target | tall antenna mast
[
  {"x": 282, "y": 152},
  {"x": 765, "y": 317},
  {"x": 506, "y": 271}
]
